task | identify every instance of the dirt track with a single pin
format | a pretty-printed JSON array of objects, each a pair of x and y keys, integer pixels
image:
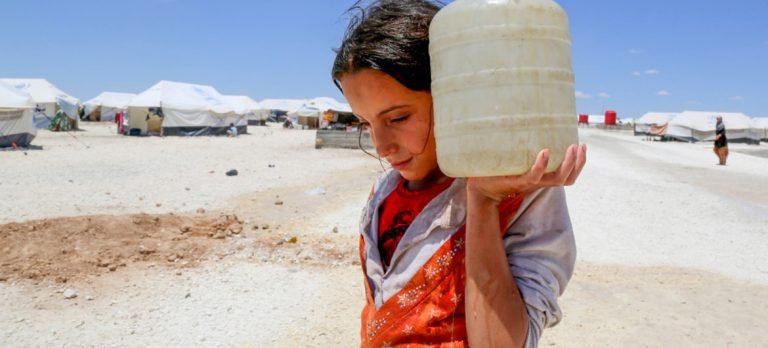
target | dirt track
[{"x": 64, "y": 249}]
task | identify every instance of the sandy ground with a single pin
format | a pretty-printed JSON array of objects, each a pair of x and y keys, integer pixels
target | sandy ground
[{"x": 162, "y": 249}]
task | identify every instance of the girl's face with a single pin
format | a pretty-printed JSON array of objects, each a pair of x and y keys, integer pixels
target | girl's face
[{"x": 398, "y": 119}]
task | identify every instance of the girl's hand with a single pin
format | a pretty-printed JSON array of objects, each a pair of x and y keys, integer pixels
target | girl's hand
[{"x": 496, "y": 188}]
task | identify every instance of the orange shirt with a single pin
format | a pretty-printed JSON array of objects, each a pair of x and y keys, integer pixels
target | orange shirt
[{"x": 429, "y": 310}]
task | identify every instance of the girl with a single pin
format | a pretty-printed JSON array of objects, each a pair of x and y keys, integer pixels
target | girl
[{"x": 447, "y": 262}]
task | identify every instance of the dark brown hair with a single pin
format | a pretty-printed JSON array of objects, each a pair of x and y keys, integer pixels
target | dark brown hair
[{"x": 391, "y": 36}]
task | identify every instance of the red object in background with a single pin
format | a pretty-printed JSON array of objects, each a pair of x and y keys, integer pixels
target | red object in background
[
  {"x": 119, "y": 121},
  {"x": 610, "y": 118},
  {"x": 584, "y": 118}
]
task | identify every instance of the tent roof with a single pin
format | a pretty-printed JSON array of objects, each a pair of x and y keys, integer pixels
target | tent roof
[
  {"x": 760, "y": 122},
  {"x": 292, "y": 106},
  {"x": 659, "y": 118},
  {"x": 185, "y": 96},
  {"x": 243, "y": 101},
  {"x": 111, "y": 99},
  {"x": 287, "y": 105},
  {"x": 327, "y": 103},
  {"x": 706, "y": 120},
  {"x": 41, "y": 90},
  {"x": 12, "y": 98}
]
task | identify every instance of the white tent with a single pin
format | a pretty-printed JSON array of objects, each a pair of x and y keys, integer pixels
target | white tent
[
  {"x": 280, "y": 107},
  {"x": 700, "y": 126},
  {"x": 256, "y": 113},
  {"x": 108, "y": 104},
  {"x": 596, "y": 119},
  {"x": 305, "y": 111},
  {"x": 284, "y": 105},
  {"x": 16, "y": 122},
  {"x": 329, "y": 104},
  {"x": 48, "y": 99},
  {"x": 183, "y": 109},
  {"x": 312, "y": 110},
  {"x": 760, "y": 125},
  {"x": 645, "y": 123}
]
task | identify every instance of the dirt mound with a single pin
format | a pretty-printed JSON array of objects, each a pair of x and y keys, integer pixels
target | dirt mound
[{"x": 65, "y": 248}]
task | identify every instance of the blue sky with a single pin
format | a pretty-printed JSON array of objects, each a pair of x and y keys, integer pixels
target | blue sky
[{"x": 630, "y": 56}]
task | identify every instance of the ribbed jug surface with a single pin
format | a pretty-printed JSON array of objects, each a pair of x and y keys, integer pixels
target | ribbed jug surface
[{"x": 502, "y": 86}]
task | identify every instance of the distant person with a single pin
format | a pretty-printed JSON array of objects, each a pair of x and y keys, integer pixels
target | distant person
[
  {"x": 232, "y": 131},
  {"x": 721, "y": 141}
]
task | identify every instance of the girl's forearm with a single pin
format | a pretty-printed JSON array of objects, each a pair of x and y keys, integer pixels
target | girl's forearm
[{"x": 496, "y": 314}]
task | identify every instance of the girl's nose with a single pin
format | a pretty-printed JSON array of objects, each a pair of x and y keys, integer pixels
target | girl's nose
[{"x": 383, "y": 141}]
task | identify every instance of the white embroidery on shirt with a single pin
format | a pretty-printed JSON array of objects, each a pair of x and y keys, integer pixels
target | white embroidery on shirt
[
  {"x": 374, "y": 325},
  {"x": 434, "y": 314},
  {"x": 431, "y": 272},
  {"x": 409, "y": 297},
  {"x": 408, "y": 330}
]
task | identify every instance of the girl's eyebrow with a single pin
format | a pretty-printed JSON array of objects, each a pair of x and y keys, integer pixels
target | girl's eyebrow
[
  {"x": 390, "y": 109},
  {"x": 383, "y": 112}
]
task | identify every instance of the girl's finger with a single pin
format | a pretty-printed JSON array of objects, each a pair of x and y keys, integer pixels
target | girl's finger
[
  {"x": 569, "y": 162},
  {"x": 537, "y": 171},
  {"x": 559, "y": 177},
  {"x": 581, "y": 161}
]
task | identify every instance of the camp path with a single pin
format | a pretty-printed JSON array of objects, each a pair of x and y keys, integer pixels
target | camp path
[
  {"x": 672, "y": 248},
  {"x": 162, "y": 248}
]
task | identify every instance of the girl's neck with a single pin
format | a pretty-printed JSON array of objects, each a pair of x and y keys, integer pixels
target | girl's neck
[{"x": 433, "y": 178}]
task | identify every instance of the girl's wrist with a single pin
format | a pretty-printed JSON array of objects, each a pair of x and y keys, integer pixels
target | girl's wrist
[{"x": 478, "y": 198}]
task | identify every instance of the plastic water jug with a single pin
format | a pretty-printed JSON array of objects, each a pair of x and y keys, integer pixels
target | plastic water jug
[{"x": 502, "y": 86}]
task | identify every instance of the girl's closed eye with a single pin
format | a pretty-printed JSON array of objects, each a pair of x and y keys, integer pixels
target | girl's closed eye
[{"x": 400, "y": 118}]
